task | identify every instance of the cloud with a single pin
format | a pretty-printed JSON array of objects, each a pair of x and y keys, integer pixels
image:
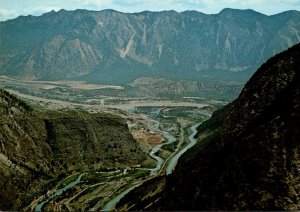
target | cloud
[
  {"x": 130, "y": 2},
  {"x": 115, "y": 3},
  {"x": 229, "y": 2},
  {"x": 238, "y": 2},
  {"x": 7, "y": 14},
  {"x": 188, "y": 2},
  {"x": 95, "y": 3},
  {"x": 295, "y": 2}
]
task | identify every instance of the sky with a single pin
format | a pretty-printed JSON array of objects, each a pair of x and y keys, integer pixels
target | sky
[{"x": 10, "y": 9}]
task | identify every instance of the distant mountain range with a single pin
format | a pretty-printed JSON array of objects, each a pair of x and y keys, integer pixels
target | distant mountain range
[{"x": 108, "y": 46}]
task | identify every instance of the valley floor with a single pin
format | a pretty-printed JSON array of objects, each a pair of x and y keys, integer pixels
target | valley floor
[
  {"x": 162, "y": 126},
  {"x": 101, "y": 189}
]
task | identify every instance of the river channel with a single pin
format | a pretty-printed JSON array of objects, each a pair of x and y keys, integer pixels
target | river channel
[
  {"x": 170, "y": 168},
  {"x": 192, "y": 141},
  {"x": 154, "y": 171},
  {"x": 58, "y": 193},
  {"x": 170, "y": 139}
]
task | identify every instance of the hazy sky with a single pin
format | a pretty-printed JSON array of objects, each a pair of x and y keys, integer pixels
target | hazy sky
[{"x": 13, "y": 8}]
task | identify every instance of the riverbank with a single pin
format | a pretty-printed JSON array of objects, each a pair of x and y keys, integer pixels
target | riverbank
[
  {"x": 58, "y": 192},
  {"x": 170, "y": 167},
  {"x": 192, "y": 141}
]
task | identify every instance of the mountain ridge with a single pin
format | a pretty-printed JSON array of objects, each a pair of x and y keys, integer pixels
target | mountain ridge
[
  {"x": 96, "y": 45},
  {"x": 162, "y": 11}
]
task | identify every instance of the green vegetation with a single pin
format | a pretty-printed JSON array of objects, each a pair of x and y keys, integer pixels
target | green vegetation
[
  {"x": 48, "y": 145},
  {"x": 137, "y": 174},
  {"x": 171, "y": 147},
  {"x": 13, "y": 101},
  {"x": 68, "y": 181}
]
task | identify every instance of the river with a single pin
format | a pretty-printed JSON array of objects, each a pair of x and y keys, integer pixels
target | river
[
  {"x": 111, "y": 204},
  {"x": 157, "y": 148},
  {"x": 192, "y": 141},
  {"x": 58, "y": 193}
]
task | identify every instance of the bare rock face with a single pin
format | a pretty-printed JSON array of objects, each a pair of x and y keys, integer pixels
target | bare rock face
[
  {"x": 251, "y": 161},
  {"x": 37, "y": 148},
  {"x": 100, "y": 45}
]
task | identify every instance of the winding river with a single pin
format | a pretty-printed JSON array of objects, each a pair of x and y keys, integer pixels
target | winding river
[
  {"x": 58, "y": 193},
  {"x": 157, "y": 148},
  {"x": 192, "y": 141},
  {"x": 171, "y": 166},
  {"x": 169, "y": 169},
  {"x": 111, "y": 204}
]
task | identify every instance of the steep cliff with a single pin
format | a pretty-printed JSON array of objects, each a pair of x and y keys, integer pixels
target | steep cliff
[
  {"x": 252, "y": 162},
  {"x": 37, "y": 148}
]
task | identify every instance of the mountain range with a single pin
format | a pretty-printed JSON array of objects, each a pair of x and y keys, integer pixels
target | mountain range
[{"x": 110, "y": 46}]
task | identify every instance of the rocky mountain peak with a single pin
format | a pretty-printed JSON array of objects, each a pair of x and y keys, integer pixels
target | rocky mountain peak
[{"x": 190, "y": 44}]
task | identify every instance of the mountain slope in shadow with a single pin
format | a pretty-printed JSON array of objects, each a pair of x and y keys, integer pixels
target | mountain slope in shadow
[{"x": 250, "y": 160}]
